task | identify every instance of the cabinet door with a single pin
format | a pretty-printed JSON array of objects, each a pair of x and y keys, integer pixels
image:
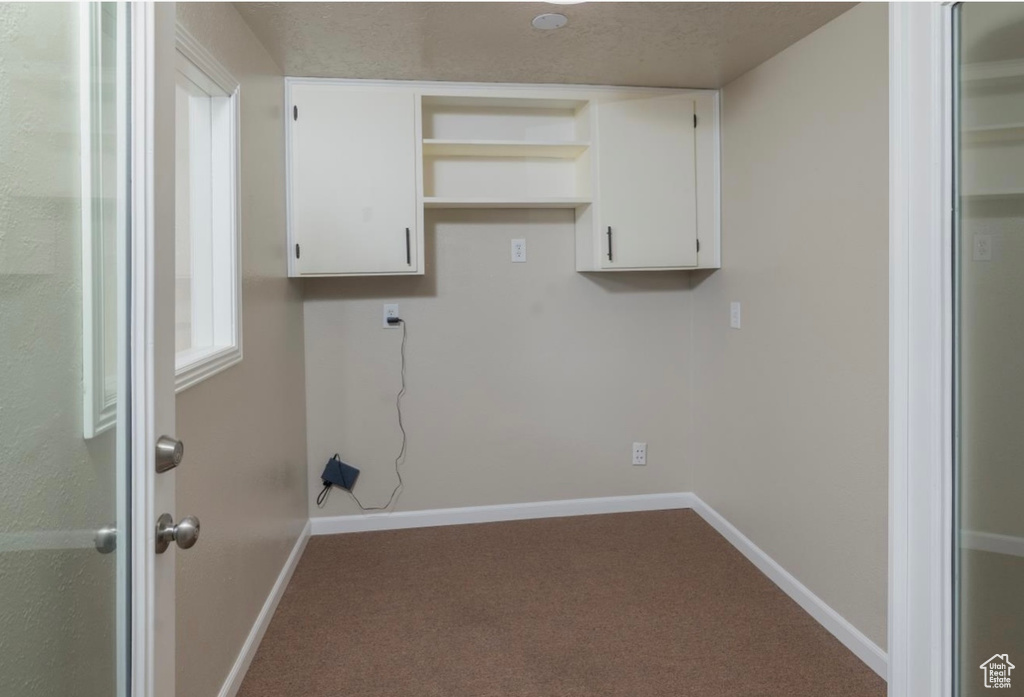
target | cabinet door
[
  {"x": 647, "y": 183},
  {"x": 353, "y": 181}
]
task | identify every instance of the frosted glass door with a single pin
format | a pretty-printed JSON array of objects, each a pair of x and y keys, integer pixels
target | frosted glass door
[
  {"x": 989, "y": 400},
  {"x": 63, "y": 442}
]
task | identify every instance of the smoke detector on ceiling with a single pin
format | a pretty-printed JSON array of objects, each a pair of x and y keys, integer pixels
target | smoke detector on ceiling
[{"x": 550, "y": 20}]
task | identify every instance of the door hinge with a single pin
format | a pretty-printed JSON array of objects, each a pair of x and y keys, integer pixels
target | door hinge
[
  {"x": 295, "y": 113},
  {"x": 698, "y": 245},
  {"x": 694, "y": 120},
  {"x": 298, "y": 252}
]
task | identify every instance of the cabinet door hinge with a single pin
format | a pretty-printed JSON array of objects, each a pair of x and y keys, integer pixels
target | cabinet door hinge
[
  {"x": 698, "y": 245},
  {"x": 298, "y": 251},
  {"x": 694, "y": 120},
  {"x": 295, "y": 113}
]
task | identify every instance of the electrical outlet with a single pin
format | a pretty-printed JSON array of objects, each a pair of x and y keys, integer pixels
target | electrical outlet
[
  {"x": 982, "y": 248},
  {"x": 734, "y": 314},
  {"x": 639, "y": 453},
  {"x": 519, "y": 251},
  {"x": 390, "y": 311}
]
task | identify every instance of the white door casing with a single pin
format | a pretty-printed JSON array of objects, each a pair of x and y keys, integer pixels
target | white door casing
[
  {"x": 152, "y": 342},
  {"x": 920, "y": 350}
]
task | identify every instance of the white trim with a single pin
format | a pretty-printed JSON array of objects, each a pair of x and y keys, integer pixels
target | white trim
[
  {"x": 143, "y": 234},
  {"x": 992, "y": 542},
  {"x": 259, "y": 628},
  {"x": 227, "y": 339},
  {"x": 555, "y": 91},
  {"x": 491, "y": 514},
  {"x": 209, "y": 364},
  {"x": 198, "y": 55},
  {"x": 920, "y": 345},
  {"x": 99, "y": 413},
  {"x": 851, "y": 637}
]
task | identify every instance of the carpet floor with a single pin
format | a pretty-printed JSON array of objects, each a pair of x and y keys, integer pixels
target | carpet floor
[{"x": 624, "y": 605}]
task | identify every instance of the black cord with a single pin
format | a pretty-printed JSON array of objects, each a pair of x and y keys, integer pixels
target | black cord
[{"x": 322, "y": 498}]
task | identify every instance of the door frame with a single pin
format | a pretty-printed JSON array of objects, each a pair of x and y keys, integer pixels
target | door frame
[
  {"x": 921, "y": 433},
  {"x": 151, "y": 350}
]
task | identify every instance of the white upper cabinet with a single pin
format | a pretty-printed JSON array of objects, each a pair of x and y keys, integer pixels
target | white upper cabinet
[
  {"x": 637, "y": 167},
  {"x": 353, "y": 178},
  {"x": 647, "y": 184}
]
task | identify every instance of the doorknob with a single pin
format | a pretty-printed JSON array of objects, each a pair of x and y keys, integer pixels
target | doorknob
[
  {"x": 106, "y": 539},
  {"x": 185, "y": 533},
  {"x": 169, "y": 453}
]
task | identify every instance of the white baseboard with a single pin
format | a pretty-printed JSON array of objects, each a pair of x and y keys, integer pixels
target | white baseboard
[
  {"x": 851, "y": 637},
  {"x": 992, "y": 542},
  {"x": 492, "y": 514},
  {"x": 259, "y": 628}
]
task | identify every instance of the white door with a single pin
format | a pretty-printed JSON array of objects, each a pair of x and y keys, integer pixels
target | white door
[
  {"x": 647, "y": 193},
  {"x": 353, "y": 181},
  {"x": 152, "y": 352}
]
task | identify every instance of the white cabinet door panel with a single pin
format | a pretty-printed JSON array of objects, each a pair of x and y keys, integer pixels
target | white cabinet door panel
[
  {"x": 647, "y": 174},
  {"x": 353, "y": 181}
]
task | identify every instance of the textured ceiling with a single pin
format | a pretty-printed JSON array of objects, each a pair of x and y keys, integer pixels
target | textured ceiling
[{"x": 658, "y": 44}]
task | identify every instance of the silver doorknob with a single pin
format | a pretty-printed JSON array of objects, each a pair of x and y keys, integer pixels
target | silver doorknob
[
  {"x": 106, "y": 539},
  {"x": 185, "y": 533},
  {"x": 169, "y": 453}
]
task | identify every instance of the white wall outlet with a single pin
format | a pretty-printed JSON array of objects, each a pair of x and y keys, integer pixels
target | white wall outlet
[
  {"x": 390, "y": 311},
  {"x": 639, "y": 453},
  {"x": 734, "y": 314},
  {"x": 982, "y": 248},
  {"x": 519, "y": 251}
]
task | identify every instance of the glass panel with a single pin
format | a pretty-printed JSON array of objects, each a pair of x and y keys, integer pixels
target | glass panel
[
  {"x": 182, "y": 221},
  {"x": 989, "y": 401},
  {"x": 64, "y": 566},
  {"x": 193, "y": 218}
]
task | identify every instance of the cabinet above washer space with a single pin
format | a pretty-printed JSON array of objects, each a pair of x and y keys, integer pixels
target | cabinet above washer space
[{"x": 639, "y": 168}]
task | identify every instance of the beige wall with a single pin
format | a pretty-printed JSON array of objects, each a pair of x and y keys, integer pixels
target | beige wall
[
  {"x": 526, "y": 382},
  {"x": 244, "y": 474},
  {"x": 790, "y": 412}
]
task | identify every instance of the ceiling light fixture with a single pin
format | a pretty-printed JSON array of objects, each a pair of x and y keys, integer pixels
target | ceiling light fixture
[{"x": 550, "y": 20}]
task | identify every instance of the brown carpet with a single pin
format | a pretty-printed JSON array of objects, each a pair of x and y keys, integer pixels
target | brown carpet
[{"x": 627, "y": 605}]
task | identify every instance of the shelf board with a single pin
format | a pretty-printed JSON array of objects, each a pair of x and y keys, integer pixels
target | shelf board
[
  {"x": 996, "y": 132},
  {"x": 503, "y": 148},
  {"x": 992, "y": 195},
  {"x": 540, "y": 202},
  {"x": 995, "y": 70}
]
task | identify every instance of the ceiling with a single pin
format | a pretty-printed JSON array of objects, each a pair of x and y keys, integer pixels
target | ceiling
[{"x": 658, "y": 44}]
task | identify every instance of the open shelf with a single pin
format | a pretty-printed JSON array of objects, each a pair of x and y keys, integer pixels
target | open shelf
[
  {"x": 993, "y": 195},
  {"x": 503, "y": 148},
  {"x": 995, "y": 70},
  {"x": 540, "y": 202},
  {"x": 994, "y": 133}
]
